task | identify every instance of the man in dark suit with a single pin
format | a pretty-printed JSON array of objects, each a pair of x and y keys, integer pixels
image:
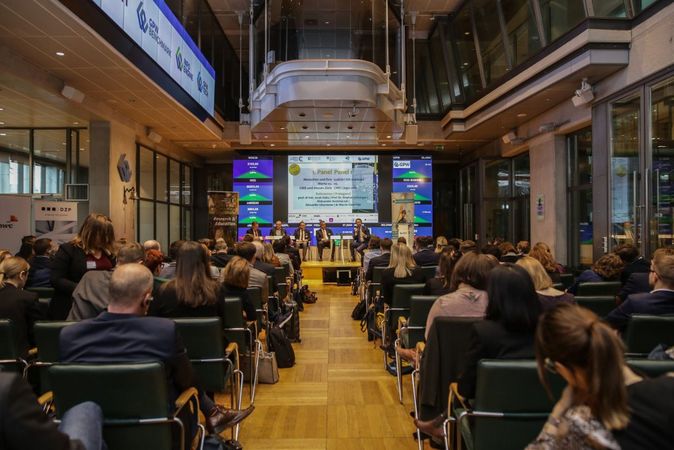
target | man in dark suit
[
  {"x": 303, "y": 239},
  {"x": 425, "y": 255},
  {"x": 659, "y": 301},
  {"x": 637, "y": 283},
  {"x": 278, "y": 229},
  {"x": 361, "y": 236},
  {"x": 323, "y": 234},
  {"x": 124, "y": 334},
  {"x": 23, "y": 425},
  {"x": 255, "y": 231},
  {"x": 634, "y": 263},
  {"x": 381, "y": 260},
  {"x": 292, "y": 252}
]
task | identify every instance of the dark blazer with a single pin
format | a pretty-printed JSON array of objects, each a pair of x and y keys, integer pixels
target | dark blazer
[
  {"x": 319, "y": 233},
  {"x": 588, "y": 275},
  {"x": 490, "y": 340},
  {"x": 23, "y": 426},
  {"x": 388, "y": 281},
  {"x": 264, "y": 267},
  {"x": 220, "y": 259},
  {"x": 426, "y": 257},
  {"x": 40, "y": 272},
  {"x": 382, "y": 260},
  {"x": 637, "y": 283},
  {"x": 657, "y": 303},
  {"x": 166, "y": 304},
  {"x": 436, "y": 286},
  {"x": 366, "y": 235},
  {"x": 67, "y": 269},
  {"x": 111, "y": 338},
  {"x": 307, "y": 235},
  {"x": 23, "y": 309},
  {"x": 294, "y": 255},
  {"x": 259, "y": 233},
  {"x": 283, "y": 232},
  {"x": 639, "y": 265}
]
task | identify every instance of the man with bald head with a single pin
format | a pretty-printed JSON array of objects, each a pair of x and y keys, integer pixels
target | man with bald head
[{"x": 124, "y": 334}]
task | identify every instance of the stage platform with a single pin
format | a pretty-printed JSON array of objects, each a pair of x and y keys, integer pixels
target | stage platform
[{"x": 326, "y": 271}]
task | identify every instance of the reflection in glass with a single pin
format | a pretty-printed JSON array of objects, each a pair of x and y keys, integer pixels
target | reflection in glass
[
  {"x": 49, "y": 161},
  {"x": 161, "y": 178},
  {"x": 162, "y": 225},
  {"x": 174, "y": 231},
  {"x": 579, "y": 146},
  {"x": 187, "y": 185},
  {"x": 494, "y": 59},
  {"x": 462, "y": 44},
  {"x": 560, "y": 16},
  {"x": 174, "y": 181},
  {"x": 497, "y": 178},
  {"x": 609, "y": 8},
  {"x": 468, "y": 191},
  {"x": 146, "y": 173},
  {"x": 625, "y": 177},
  {"x": 145, "y": 220},
  {"x": 522, "y": 175},
  {"x": 521, "y": 29},
  {"x": 14, "y": 162},
  {"x": 640, "y": 5},
  {"x": 497, "y": 218},
  {"x": 439, "y": 70}
]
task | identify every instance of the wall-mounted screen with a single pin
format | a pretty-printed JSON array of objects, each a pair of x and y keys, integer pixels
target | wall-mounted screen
[{"x": 415, "y": 174}]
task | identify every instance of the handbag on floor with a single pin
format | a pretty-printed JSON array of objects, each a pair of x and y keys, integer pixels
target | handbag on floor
[
  {"x": 268, "y": 369},
  {"x": 280, "y": 344}
]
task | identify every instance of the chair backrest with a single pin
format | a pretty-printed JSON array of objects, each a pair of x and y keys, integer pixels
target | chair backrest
[
  {"x": 429, "y": 271},
  {"x": 420, "y": 305},
  {"x": 255, "y": 296},
  {"x": 280, "y": 274},
  {"x": 645, "y": 332},
  {"x": 233, "y": 318},
  {"x": 127, "y": 394},
  {"x": 47, "y": 341},
  {"x": 598, "y": 288},
  {"x": 376, "y": 274},
  {"x": 9, "y": 352},
  {"x": 402, "y": 293},
  {"x": 566, "y": 279},
  {"x": 651, "y": 368},
  {"x": 42, "y": 292},
  {"x": 558, "y": 286},
  {"x": 511, "y": 387},
  {"x": 203, "y": 337},
  {"x": 599, "y": 304}
]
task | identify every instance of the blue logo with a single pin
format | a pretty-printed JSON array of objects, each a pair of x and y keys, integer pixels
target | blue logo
[
  {"x": 179, "y": 59},
  {"x": 202, "y": 85},
  {"x": 142, "y": 18}
]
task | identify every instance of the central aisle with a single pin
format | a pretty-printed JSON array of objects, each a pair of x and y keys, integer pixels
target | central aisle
[{"x": 338, "y": 395}]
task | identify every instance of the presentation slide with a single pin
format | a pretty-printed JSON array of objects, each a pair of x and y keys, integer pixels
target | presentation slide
[
  {"x": 255, "y": 192},
  {"x": 332, "y": 188},
  {"x": 415, "y": 174},
  {"x": 262, "y": 214},
  {"x": 253, "y": 169},
  {"x": 423, "y": 192}
]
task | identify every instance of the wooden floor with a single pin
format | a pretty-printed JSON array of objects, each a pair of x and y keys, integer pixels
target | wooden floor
[{"x": 338, "y": 395}]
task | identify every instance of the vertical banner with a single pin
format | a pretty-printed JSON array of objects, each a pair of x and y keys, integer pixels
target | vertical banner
[
  {"x": 14, "y": 221},
  {"x": 402, "y": 213},
  {"x": 55, "y": 220},
  {"x": 223, "y": 214}
]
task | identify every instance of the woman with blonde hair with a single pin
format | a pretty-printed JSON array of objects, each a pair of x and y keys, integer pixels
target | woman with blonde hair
[
  {"x": 92, "y": 249},
  {"x": 440, "y": 244},
  {"x": 543, "y": 254},
  {"x": 547, "y": 294},
  {"x": 19, "y": 306},
  {"x": 269, "y": 255},
  {"x": 572, "y": 342},
  {"x": 234, "y": 279},
  {"x": 401, "y": 270}
]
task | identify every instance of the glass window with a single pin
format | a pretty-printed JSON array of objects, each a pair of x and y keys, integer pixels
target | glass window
[
  {"x": 162, "y": 225},
  {"x": 439, "y": 70},
  {"x": 187, "y": 186},
  {"x": 609, "y": 8},
  {"x": 174, "y": 181},
  {"x": 494, "y": 60},
  {"x": 579, "y": 179},
  {"x": 161, "y": 178},
  {"x": 145, "y": 220},
  {"x": 640, "y": 5},
  {"x": 522, "y": 175},
  {"x": 497, "y": 218},
  {"x": 82, "y": 155},
  {"x": 560, "y": 16},
  {"x": 465, "y": 55},
  {"x": 49, "y": 161},
  {"x": 174, "y": 223},
  {"x": 14, "y": 161},
  {"x": 146, "y": 173},
  {"x": 497, "y": 178},
  {"x": 521, "y": 28}
]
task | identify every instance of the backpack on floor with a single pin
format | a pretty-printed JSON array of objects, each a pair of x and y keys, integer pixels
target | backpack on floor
[
  {"x": 307, "y": 295},
  {"x": 292, "y": 325},
  {"x": 278, "y": 342},
  {"x": 359, "y": 311}
]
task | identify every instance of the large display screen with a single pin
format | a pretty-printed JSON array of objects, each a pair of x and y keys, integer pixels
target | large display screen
[
  {"x": 332, "y": 188},
  {"x": 415, "y": 174},
  {"x": 254, "y": 181}
]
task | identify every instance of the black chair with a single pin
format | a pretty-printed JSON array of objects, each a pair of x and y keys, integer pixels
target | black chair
[
  {"x": 645, "y": 332},
  {"x": 650, "y": 367},
  {"x": 601, "y": 305},
  {"x": 566, "y": 279},
  {"x": 558, "y": 286},
  {"x": 510, "y": 407},
  {"x": 400, "y": 307},
  {"x": 213, "y": 365},
  {"x": 236, "y": 330},
  {"x": 255, "y": 296},
  {"x": 411, "y": 330},
  {"x": 598, "y": 288},
  {"x": 44, "y": 294},
  {"x": 135, "y": 403},
  {"x": 11, "y": 358},
  {"x": 280, "y": 279},
  {"x": 429, "y": 271},
  {"x": 47, "y": 342}
]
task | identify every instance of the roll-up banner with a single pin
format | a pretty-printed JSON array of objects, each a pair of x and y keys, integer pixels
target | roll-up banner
[
  {"x": 55, "y": 220},
  {"x": 14, "y": 221},
  {"x": 402, "y": 212},
  {"x": 223, "y": 214}
]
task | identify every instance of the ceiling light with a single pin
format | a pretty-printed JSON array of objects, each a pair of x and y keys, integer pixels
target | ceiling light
[
  {"x": 327, "y": 145},
  {"x": 283, "y": 128},
  {"x": 327, "y": 22},
  {"x": 306, "y": 136},
  {"x": 60, "y": 54},
  {"x": 63, "y": 143},
  {"x": 388, "y": 137},
  {"x": 383, "y": 145},
  {"x": 522, "y": 115},
  {"x": 467, "y": 33},
  {"x": 266, "y": 137},
  {"x": 76, "y": 123},
  {"x": 273, "y": 145},
  {"x": 3, "y": 134},
  {"x": 2, "y": 109},
  {"x": 2, "y": 123}
]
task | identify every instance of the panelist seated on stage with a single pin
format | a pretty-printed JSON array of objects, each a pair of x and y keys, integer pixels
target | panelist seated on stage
[
  {"x": 323, "y": 234},
  {"x": 302, "y": 239},
  {"x": 361, "y": 236},
  {"x": 255, "y": 231},
  {"x": 278, "y": 229}
]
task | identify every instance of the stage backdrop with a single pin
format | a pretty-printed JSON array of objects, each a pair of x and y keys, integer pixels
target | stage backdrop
[{"x": 14, "y": 221}]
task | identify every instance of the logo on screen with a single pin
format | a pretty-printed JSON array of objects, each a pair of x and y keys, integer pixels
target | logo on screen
[
  {"x": 202, "y": 85},
  {"x": 179, "y": 59},
  {"x": 402, "y": 164},
  {"x": 142, "y": 18}
]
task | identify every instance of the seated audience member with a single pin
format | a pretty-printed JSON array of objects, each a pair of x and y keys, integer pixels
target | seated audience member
[
  {"x": 548, "y": 295},
  {"x": 269, "y": 256},
  {"x": 425, "y": 255},
  {"x": 633, "y": 263},
  {"x": 247, "y": 251},
  {"x": 572, "y": 342},
  {"x": 401, "y": 270},
  {"x": 635, "y": 284},
  {"x": 153, "y": 261},
  {"x": 23, "y": 425},
  {"x": 124, "y": 334},
  {"x": 19, "y": 306},
  {"x": 508, "y": 253},
  {"x": 90, "y": 297},
  {"x": 454, "y": 245},
  {"x": 292, "y": 252},
  {"x": 402, "y": 240},
  {"x": 279, "y": 248},
  {"x": 40, "y": 265},
  {"x": 373, "y": 250},
  {"x": 507, "y": 331},
  {"x": 247, "y": 238},
  {"x": 4, "y": 253},
  {"x": 169, "y": 269},
  {"x": 26, "y": 250},
  {"x": 220, "y": 257},
  {"x": 523, "y": 248},
  {"x": 260, "y": 264},
  {"x": 208, "y": 243},
  {"x": 606, "y": 268},
  {"x": 235, "y": 278},
  {"x": 543, "y": 254},
  {"x": 92, "y": 249},
  {"x": 659, "y": 301},
  {"x": 468, "y": 297},
  {"x": 441, "y": 283},
  {"x": 440, "y": 244},
  {"x": 382, "y": 260},
  {"x": 491, "y": 249},
  {"x": 254, "y": 231},
  {"x": 151, "y": 244},
  {"x": 468, "y": 246}
]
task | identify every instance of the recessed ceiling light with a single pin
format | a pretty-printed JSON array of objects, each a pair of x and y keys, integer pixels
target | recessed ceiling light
[
  {"x": 3, "y": 134},
  {"x": 273, "y": 145},
  {"x": 283, "y": 128},
  {"x": 327, "y": 145},
  {"x": 306, "y": 136},
  {"x": 60, "y": 54},
  {"x": 522, "y": 115},
  {"x": 467, "y": 33},
  {"x": 2, "y": 123},
  {"x": 63, "y": 143},
  {"x": 383, "y": 145},
  {"x": 2, "y": 109},
  {"x": 266, "y": 137},
  {"x": 388, "y": 137},
  {"x": 76, "y": 123},
  {"x": 327, "y": 22}
]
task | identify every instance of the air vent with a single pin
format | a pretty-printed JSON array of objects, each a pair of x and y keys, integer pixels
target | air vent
[{"x": 77, "y": 192}]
